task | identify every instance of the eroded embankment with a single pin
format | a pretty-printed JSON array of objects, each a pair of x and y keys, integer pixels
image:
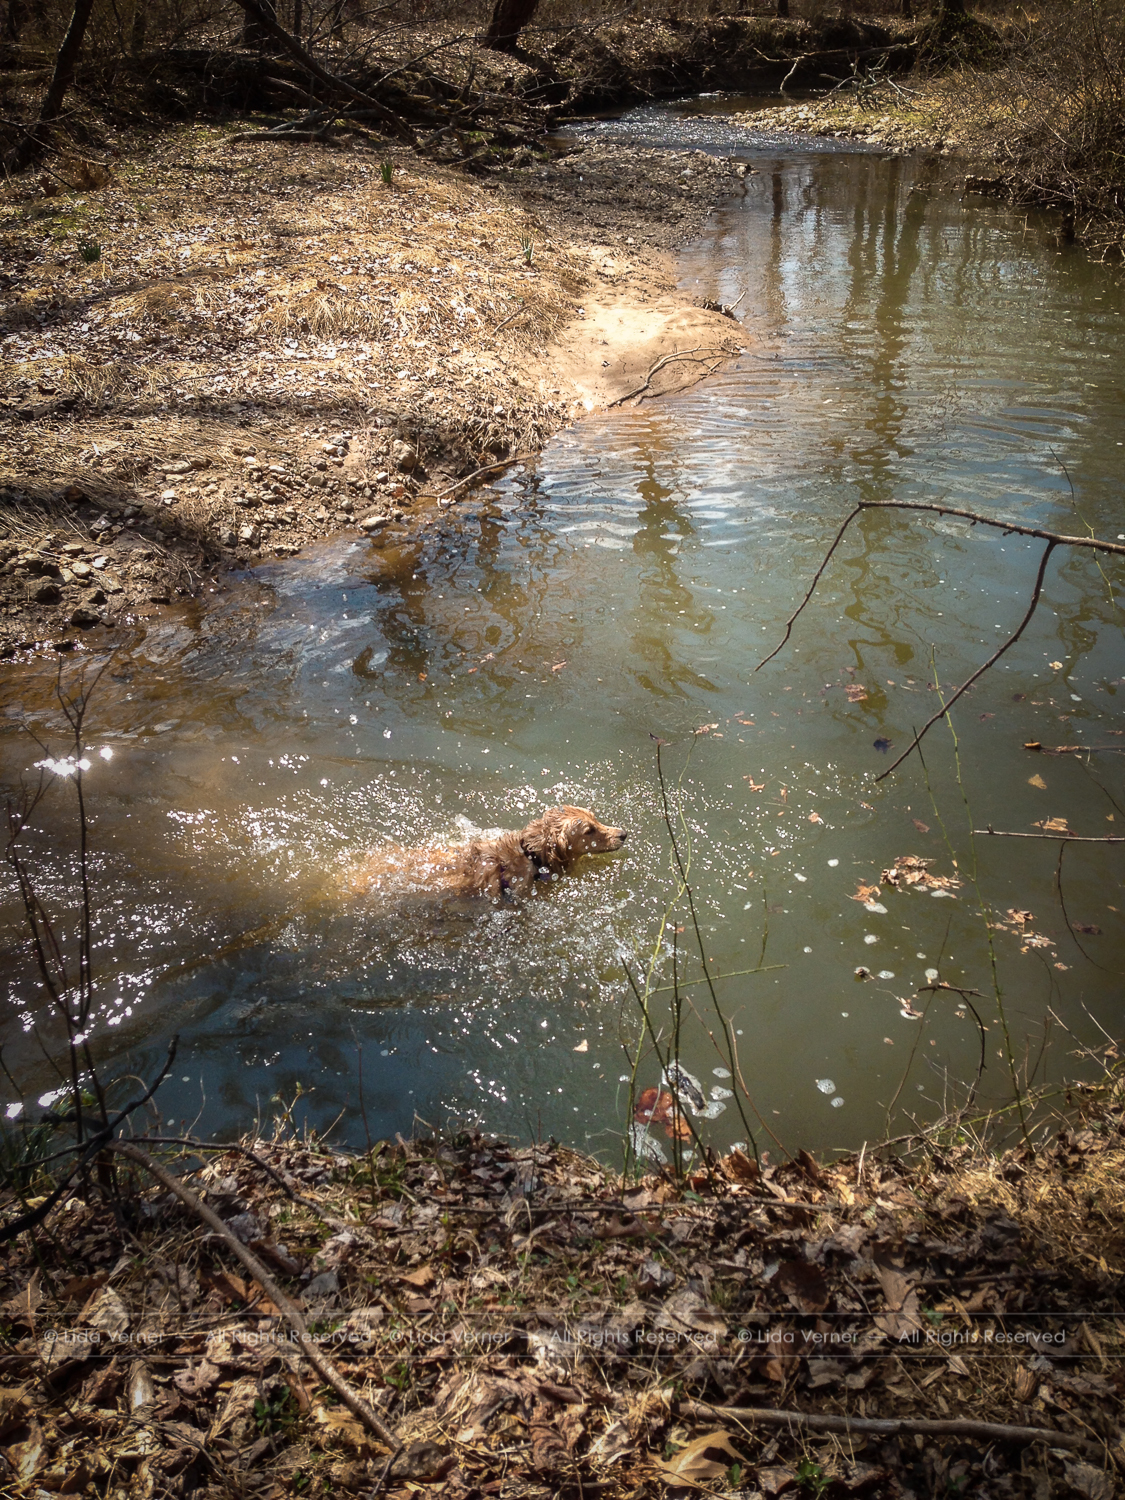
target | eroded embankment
[
  {"x": 271, "y": 347},
  {"x": 521, "y": 1320}
]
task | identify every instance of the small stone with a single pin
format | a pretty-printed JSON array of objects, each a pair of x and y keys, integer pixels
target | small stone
[
  {"x": 348, "y": 507},
  {"x": 84, "y": 616},
  {"x": 47, "y": 592},
  {"x": 66, "y": 575},
  {"x": 372, "y": 523},
  {"x": 404, "y": 456},
  {"x": 168, "y": 496},
  {"x": 72, "y": 549},
  {"x": 227, "y": 537},
  {"x": 81, "y": 569}
]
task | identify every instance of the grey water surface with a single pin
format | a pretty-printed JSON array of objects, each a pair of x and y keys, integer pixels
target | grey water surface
[{"x": 902, "y": 342}]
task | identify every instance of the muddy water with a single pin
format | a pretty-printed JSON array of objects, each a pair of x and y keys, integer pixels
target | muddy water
[{"x": 526, "y": 648}]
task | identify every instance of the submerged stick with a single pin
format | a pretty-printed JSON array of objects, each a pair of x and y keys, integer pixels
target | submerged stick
[{"x": 327, "y": 1371}]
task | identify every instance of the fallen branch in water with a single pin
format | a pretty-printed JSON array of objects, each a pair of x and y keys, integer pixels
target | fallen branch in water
[
  {"x": 981, "y": 670},
  {"x": 1072, "y": 838},
  {"x": 288, "y": 1310},
  {"x": 1075, "y": 749},
  {"x": 798, "y": 1421},
  {"x": 1052, "y": 538}
]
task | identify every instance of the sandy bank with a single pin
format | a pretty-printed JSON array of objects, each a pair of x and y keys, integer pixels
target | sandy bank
[{"x": 272, "y": 345}]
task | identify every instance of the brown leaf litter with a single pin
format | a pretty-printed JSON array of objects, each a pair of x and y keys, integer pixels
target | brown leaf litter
[{"x": 525, "y": 1321}]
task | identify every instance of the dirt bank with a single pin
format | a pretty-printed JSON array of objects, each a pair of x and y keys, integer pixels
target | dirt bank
[
  {"x": 232, "y": 348},
  {"x": 894, "y": 117},
  {"x": 525, "y": 1323}
]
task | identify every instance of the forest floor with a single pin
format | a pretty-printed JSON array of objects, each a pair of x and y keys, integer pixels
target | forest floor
[{"x": 937, "y": 1321}]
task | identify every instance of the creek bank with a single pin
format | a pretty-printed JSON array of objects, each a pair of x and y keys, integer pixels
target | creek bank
[
  {"x": 271, "y": 348},
  {"x": 523, "y": 1319}
]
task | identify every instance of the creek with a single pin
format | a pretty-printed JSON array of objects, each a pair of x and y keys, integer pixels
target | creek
[{"x": 902, "y": 342}]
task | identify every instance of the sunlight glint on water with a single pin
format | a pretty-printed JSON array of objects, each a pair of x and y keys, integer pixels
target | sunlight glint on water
[{"x": 524, "y": 650}]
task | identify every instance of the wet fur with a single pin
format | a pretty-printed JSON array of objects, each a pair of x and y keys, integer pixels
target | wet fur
[{"x": 517, "y": 863}]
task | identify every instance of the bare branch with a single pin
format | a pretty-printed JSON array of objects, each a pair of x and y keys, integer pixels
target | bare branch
[
  {"x": 798, "y": 1421},
  {"x": 1073, "y": 838},
  {"x": 1059, "y": 538},
  {"x": 992, "y": 660},
  {"x": 288, "y": 1310}
]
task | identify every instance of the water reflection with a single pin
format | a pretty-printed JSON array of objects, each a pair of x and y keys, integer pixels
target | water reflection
[{"x": 524, "y": 648}]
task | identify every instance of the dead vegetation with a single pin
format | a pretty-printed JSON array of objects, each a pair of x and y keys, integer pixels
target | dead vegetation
[{"x": 520, "y": 1320}]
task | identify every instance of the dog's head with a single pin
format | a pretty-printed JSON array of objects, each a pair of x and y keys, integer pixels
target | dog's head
[{"x": 564, "y": 834}]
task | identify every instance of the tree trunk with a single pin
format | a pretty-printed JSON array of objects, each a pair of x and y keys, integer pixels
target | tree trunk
[
  {"x": 254, "y": 34},
  {"x": 14, "y": 19},
  {"x": 509, "y": 17},
  {"x": 65, "y": 63},
  {"x": 139, "y": 28},
  {"x": 783, "y": 10},
  {"x": 298, "y": 18}
]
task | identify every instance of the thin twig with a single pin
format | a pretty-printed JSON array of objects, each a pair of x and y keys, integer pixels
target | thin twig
[
  {"x": 981, "y": 670},
  {"x": 891, "y": 1426},
  {"x": 688, "y": 355},
  {"x": 1073, "y": 838}
]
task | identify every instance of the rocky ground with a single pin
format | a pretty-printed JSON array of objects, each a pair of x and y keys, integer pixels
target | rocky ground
[{"x": 226, "y": 350}]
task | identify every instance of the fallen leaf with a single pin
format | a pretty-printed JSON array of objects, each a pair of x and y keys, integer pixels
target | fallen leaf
[
  {"x": 866, "y": 893},
  {"x": 921, "y": 827},
  {"x": 613, "y": 1444},
  {"x": 1055, "y": 666},
  {"x": 1037, "y": 781},
  {"x": 1091, "y": 927},
  {"x": 855, "y": 692},
  {"x": 1053, "y": 825},
  {"x": 755, "y": 786},
  {"x": 804, "y": 1284},
  {"x": 196, "y": 1380},
  {"x": 815, "y": 818},
  {"x": 711, "y": 1456},
  {"x": 583, "y": 1046},
  {"x": 423, "y": 1277},
  {"x": 687, "y": 1311}
]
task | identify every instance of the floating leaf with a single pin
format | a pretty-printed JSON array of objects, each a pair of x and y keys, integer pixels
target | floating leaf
[
  {"x": 815, "y": 818},
  {"x": 882, "y": 745},
  {"x": 1053, "y": 825},
  {"x": 755, "y": 786},
  {"x": 866, "y": 893},
  {"x": 1037, "y": 781},
  {"x": 921, "y": 827},
  {"x": 855, "y": 692}
]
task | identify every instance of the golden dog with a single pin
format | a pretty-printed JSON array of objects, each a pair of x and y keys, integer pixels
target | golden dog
[{"x": 519, "y": 864}]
